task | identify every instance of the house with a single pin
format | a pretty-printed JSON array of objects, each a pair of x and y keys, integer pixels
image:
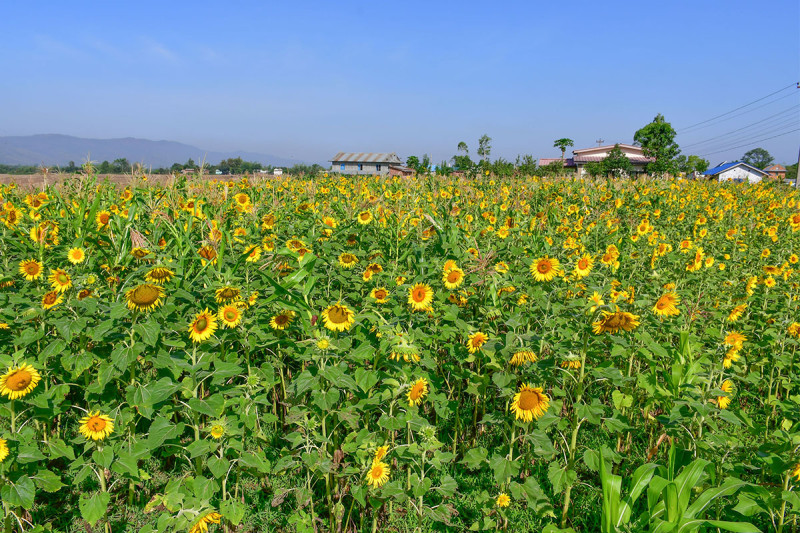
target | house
[
  {"x": 364, "y": 162},
  {"x": 776, "y": 171},
  {"x": 735, "y": 171},
  {"x": 566, "y": 163},
  {"x": 400, "y": 170},
  {"x": 597, "y": 153},
  {"x": 277, "y": 172}
]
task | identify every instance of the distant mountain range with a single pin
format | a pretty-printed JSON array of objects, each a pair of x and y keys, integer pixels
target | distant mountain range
[{"x": 54, "y": 149}]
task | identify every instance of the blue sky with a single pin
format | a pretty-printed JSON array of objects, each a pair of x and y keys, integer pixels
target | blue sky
[{"x": 308, "y": 79}]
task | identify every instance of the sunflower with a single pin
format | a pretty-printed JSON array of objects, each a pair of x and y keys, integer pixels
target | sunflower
[
  {"x": 735, "y": 339},
  {"x": 796, "y": 472},
  {"x": 583, "y": 267},
  {"x": 380, "y": 453},
  {"x": 522, "y": 357},
  {"x": 96, "y": 426},
  {"x": 208, "y": 253},
  {"x": 737, "y": 312},
  {"x": 667, "y": 305},
  {"x": 417, "y": 392},
  {"x": 731, "y": 357},
  {"x": 501, "y": 267},
  {"x": 203, "y": 326},
  {"x": 51, "y": 299},
  {"x": 378, "y": 474},
  {"x": 338, "y": 317},
  {"x": 545, "y": 268},
  {"x": 144, "y": 297},
  {"x": 31, "y": 269},
  {"x": 159, "y": 275},
  {"x": 724, "y": 401},
  {"x": 230, "y": 315},
  {"x": 347, "y": 260},
  {"x": 529, "y": 403},
  {"x": 228, "y": 294},
  {"x": 503, "y": 500},
  {"x": 3, "y": 449},
  {"x": 217, "y": 430},
  {"x": 476, "y": 340},
  {"x": 59, "y": 280},
  {"x": 76, "y": 255},
  {"x": 140, "y": 253},
  {"x": 253, "y": 254},
  {"x": 453, "y": 278},
  {"x": 364, "y": 218},
  {"x": 571, "y": 364},
  {"x": 380, "y": 294},
  {"x": 282, "y": 320},
  {"x": 613, "y": 322},
  {"x": 420, "y": 297},
  {"x": 794, "y": 329},
  {"x": 19, "y": 381},
  {"x": 201, "y": 526},
  {"x": 102, "y": 219}
]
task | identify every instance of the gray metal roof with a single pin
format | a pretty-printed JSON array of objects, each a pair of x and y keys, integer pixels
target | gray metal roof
[{"x": 365, "y": 157}]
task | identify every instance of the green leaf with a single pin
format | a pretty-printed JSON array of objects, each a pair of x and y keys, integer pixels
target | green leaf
[
  {"x": 560, "y": 477},
  {"x": 93, "y": 507},
  {"x": 233, "y": 511},
  {"x": 254, "y": 461},
  {"x": 218, "y": 466},
  {"x": 475, "y": 458},
  {"x": 503, "y": 468},
  {"x": 47, "y": 481},
  {"x": 19, "y": 492}
]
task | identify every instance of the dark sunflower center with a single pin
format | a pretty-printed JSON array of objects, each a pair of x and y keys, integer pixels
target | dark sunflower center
[
  {"x": 380, "y": 295},
  {"x": 104, "y": 219},
  {"x": 19, "y": 380},
  {"x": 32, "y": 268},
  {"x": 543, "y": 267},
  {"x": 229, "y": 294},
  {"x": 528, "y": 400},
  {"x": 96, "y": 424},
  {"x": 453, "y": 277},
  {"x": 283, "y": 319},
  {"x": 230, "y": 315},
  {"x": 417, "y": 390},
  {"x": 50, "y": 298},
  {"x": 337, "y": 314},
  {"x": 144, "y": 295},
  {"x": 419, "y": 295},
  {"x": 583, "y": 264}
]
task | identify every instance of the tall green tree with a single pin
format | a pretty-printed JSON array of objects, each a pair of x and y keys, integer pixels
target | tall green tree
[
  {"x": 657, "y": 140},
  {"x": 484, "y": 147},
  {"x": 617, "y": 163},
  {"x": 563, "y": 144},
  {"x": 413, "y": 163},
  {"x": 691, "y": 164},
  {"x": 526, "y": 165},
  {"x": 758, "y": 157}
]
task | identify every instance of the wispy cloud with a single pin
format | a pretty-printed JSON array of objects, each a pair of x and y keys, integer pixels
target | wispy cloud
[
  {"x": 55, "y": 47},
  {"x": 159, "y": 50}
]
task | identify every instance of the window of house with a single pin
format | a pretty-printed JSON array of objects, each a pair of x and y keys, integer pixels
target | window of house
[
  {"x": 360, "y": 166},
  {"x": 342, "y": 166},
  {"x": 378, "y": 168}
]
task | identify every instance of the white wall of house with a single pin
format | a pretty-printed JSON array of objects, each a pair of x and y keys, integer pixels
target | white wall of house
[
  {"x": 360, "y": 168},
  {"x": 740, "y": 174}
]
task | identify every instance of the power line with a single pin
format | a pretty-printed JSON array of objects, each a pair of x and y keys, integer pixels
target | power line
[
  {"x": 740, "y": 107},
  {"x": 742, "y": 113},
  {"x": 772, "y": 128},
  {"x": 752, "y": 143},
  {"x": 743, "y": 127}
]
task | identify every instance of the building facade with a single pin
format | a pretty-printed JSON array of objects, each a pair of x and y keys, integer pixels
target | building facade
[
  {"x": 776, "y": 171},
  {"x": 735, "y": 171},
  {"x": 364, "y": 163},
  {"x": 598, "y": 153}
]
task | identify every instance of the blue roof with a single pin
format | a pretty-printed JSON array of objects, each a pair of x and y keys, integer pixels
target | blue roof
[{"x": 725, "y": 166}]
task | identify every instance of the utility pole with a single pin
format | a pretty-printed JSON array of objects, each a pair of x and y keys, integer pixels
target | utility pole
[
  {"x": 600, "y": 142},
  {"x": 797, "y": 178}
]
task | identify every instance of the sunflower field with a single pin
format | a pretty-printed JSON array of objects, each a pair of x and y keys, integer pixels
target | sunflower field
[{"x": 352, "y": 354}]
